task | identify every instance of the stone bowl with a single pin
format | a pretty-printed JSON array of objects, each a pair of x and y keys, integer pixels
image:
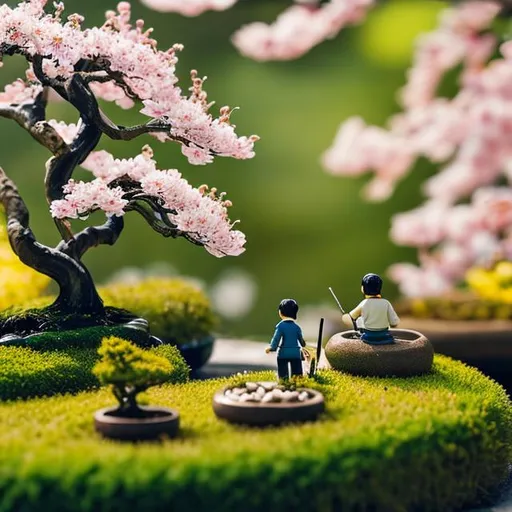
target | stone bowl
[
  {"x": 411, "y": 354},
  {"x": 260, "y": 413},
  {"x": 155, "y": 422}
]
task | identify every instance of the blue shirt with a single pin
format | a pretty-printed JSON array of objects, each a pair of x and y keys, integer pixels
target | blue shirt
[{"x": 287, "y": 340}]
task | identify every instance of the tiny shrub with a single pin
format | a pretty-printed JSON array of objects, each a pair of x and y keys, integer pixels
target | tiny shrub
[
  {"x": 438, "y": 442},
  {"x": 129, "y": 370},
  {"x": 176, "y": 310},
  {"x": 25, "y": 372}
]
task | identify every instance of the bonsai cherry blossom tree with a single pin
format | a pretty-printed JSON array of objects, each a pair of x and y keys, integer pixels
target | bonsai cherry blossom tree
[
  {"x": 467, "y": 217},
  {"x": 115, "y": 62}
]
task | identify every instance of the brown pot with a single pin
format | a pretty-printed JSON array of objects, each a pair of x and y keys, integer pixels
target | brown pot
[
  {"x": 156, "y": 422},
  {"x": 485, "y": 344},
  {"x": 273, "y": 413},
  {"x": 410, "y": 354}
]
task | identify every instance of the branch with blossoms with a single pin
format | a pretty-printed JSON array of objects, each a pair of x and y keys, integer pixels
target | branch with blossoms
[
  {"x": 115, "y": 62},
  {"x": 299, "y": 28},
  {"x": 467, "y": 219}
]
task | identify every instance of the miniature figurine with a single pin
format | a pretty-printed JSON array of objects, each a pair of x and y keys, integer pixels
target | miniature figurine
[
  {"x": 289, "y": 350},
  {"x": 375, "y": 313}
]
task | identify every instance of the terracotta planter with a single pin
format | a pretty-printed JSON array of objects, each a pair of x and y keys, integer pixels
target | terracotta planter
[
  {"x": 485, "y": 344},
  {"x": 156, "y": 422},
  {"x": 410, "y": 354},
  {"x": 267, "y": 414}
]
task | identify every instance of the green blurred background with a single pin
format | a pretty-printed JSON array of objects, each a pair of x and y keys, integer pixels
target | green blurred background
[{"x": 306, "y": 229}]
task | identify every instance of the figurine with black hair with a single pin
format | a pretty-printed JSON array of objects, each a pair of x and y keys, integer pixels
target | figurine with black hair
[
  {"x": 288, "y": 340},
  {"x": 375, "y": 313}
]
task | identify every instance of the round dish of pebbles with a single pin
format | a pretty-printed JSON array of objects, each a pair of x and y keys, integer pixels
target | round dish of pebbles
[{"x": 267, "y": 403}]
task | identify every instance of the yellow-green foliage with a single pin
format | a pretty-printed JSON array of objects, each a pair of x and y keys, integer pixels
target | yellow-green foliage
[
  {"x": 457, "y": 307},
  {"x": 489, "y": 297},
  {"x": 176, "y": 310},
  {"x": 437, "y": 442},
  {"x": 18, "y": 283},
  {"x": 25, "y": 372},
  {"x": 125, "y": 365},
  {"x": 493, "y": 284}
]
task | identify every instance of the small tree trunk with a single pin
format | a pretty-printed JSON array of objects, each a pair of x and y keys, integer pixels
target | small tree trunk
[{"x": 77, "y": 291}]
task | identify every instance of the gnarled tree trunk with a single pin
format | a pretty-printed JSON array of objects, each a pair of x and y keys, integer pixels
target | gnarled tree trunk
[{"x": 77, "y": 291}]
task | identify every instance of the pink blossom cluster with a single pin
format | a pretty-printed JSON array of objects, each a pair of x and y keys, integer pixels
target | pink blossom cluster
[
  {"x": 67, "y": 131},
  {"x": 466, "y": 220},
  {"x": 202, "y": 215},
  {"x": 147, "y": 74},
  {"x": 18, "y": 93},
  {"x": 298, "y": 29},
  {"x": 295, "y": 31},
  {"x": 189, "y": 7},
  {"x": 464, "y": 235}
]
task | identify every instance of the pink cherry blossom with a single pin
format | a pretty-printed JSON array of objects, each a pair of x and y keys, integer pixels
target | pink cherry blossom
[
  {"x": 298, "y": 29},
  {"x": 67, "y": 131},
  {"x": 18, "y": 93},
  {"x": 189, "y": 7},
  {"x": 203, "y": 216},
  {"x": 142, "y": 71}
]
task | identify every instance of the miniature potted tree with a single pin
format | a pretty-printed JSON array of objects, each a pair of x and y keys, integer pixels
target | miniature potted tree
[
  {"x": 115, "y": 62},
  {"x": 129, "y": 370}
]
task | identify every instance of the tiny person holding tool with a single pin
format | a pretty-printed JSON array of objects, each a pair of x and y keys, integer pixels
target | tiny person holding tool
[
  {"x": 377, "y": 314},
  {"x": 288, "y": 340}
]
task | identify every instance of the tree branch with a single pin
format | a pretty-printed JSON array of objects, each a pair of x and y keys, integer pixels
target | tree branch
[
  {"x": 31, "y": 117},
  {"x": 106, "y": 234}
]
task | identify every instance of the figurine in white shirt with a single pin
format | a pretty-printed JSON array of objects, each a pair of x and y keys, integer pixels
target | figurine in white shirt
[{"x": 374, "y": 313}]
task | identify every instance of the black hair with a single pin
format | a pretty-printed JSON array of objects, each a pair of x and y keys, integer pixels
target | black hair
[
  {"x": 372, "y": 284},
  {"x": 289, "y": 308}
]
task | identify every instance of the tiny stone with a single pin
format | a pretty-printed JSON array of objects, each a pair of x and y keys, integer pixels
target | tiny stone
[
  {"x": 268, "y": 386},
  {"x": 277, "y": 394},
  {"x": 238, "y": 391},
  {"x": 251, "y": 386},
  {"x": 303, "y": 396},
  {"x": 233, "y": 397},
  {"x": 260, "y": 391},
  {"x": 255, "y": 397},
  {"x": 292, "y": 396},
  {"x": 245, "y": 397},
  {"x": 268, "y": 397}
]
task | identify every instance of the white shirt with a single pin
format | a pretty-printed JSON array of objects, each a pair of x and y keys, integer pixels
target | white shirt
[{"x": 376, "y": 313}]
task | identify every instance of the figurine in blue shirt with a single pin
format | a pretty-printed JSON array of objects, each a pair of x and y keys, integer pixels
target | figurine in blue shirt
[{"x": 287, "y": 340}]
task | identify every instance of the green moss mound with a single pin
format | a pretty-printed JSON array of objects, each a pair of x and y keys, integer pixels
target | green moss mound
[
  {"x": 25, "y": 372},
  {"x": 177, "y": 311},
  {"x": 436, "y": 442}
]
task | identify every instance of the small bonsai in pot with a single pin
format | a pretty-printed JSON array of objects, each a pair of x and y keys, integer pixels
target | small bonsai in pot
[{"x": 131, "y": 370}]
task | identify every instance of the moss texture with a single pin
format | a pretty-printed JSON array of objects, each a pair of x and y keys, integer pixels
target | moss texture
[
  {"x": 25, "y": 372},
  {"x": 177, "y": 310},
  {"x": 436, "y": 442}
]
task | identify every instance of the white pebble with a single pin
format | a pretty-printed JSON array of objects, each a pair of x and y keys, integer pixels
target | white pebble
[
  {"x": 251, "y": 386},
  {"x": 268, "y": 397}
]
